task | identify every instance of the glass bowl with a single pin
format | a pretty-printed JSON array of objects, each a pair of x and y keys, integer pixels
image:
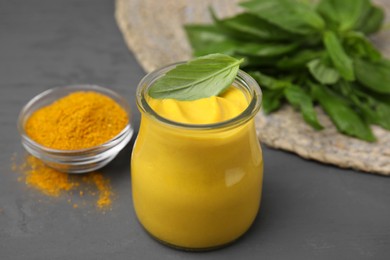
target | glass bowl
[{"x": 74, "y": 161}]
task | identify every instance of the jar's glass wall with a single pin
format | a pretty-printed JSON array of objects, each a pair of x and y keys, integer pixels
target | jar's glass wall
[{"x": 197, "y": 186}]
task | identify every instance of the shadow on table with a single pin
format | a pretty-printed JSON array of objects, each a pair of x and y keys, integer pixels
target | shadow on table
[{"x": 119, "y": 168}]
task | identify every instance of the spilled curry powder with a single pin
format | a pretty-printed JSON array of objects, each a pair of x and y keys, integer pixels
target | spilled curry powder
[{"x": 53, "y": 183}]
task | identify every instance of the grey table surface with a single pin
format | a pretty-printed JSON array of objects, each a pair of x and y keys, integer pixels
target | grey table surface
[{"x": 309, "y": 210}]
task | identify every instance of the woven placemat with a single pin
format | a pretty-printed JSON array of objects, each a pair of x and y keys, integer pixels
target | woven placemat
[{"x": 153, "y": 30}]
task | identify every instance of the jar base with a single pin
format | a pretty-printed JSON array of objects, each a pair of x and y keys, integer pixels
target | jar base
[{"x": 192, "y": 249}]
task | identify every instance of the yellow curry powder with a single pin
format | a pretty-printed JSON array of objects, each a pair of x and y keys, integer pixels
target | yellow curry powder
[
  {"x": 54, "y": 183},
  {"x": 46, "y": 179},
  {"x": 102, "y": 184},
  {"x": 83, "y": 119}
]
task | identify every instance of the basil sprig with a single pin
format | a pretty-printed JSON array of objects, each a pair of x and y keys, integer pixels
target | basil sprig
[
  {"x": 309, "y": 54},
  {"x": 199, "y": 78}
]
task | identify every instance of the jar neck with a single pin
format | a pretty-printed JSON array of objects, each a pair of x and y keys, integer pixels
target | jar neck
[{"x": 243, "y": 82}]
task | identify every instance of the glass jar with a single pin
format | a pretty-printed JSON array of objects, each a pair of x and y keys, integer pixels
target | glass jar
[{"x": 197, "y": 187}]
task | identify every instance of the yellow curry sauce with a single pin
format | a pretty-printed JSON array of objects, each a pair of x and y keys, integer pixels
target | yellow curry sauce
[{"x": 197, "y": 189}]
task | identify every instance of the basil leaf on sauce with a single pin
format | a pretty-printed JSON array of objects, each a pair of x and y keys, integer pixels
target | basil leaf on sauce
[{"x": 202, "y": 77}]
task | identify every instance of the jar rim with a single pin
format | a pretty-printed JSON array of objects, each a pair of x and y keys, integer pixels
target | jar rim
[{"x": 242, "y": 79}]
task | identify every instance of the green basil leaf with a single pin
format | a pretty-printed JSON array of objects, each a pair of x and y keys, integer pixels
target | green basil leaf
[
  {"x": 207, "y": 39},
  {"x": 382, "y": 111},
  {"x": 299, "y": 59},
  {"x": 269, "y": 82},
  {"x": 199, "y": 78},
  {"x": 374, "y": 75},
  {"x": 373, "y": 107},
  {"x": 323, "y": 72},
  {"x": 253, "y": 62},
  {"x": 272, "y": 100},
  {"x": 383, "y": 98},
  {"x": 339, "y": 58},
  {"x": 227, "y": 47},
  {"x": 359, "y": 46},
  {"x": 248, "y": 26},
  {"x": 345, "y": 13},
  {"x": 290, "y": 15},
  {"x": 265, "y": 49},
  {"x": 342, "y": 115},
  {"x": 372, "y": 21},
  {"x": 373, "y": 110},
  {"x": 201, "y": 35},
  {"x": 344, "y": 87},
  {"x": 299, "y": 99}
]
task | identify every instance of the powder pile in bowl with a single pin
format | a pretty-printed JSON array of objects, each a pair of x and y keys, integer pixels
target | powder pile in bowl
[{"x": 80, "y": 120}]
